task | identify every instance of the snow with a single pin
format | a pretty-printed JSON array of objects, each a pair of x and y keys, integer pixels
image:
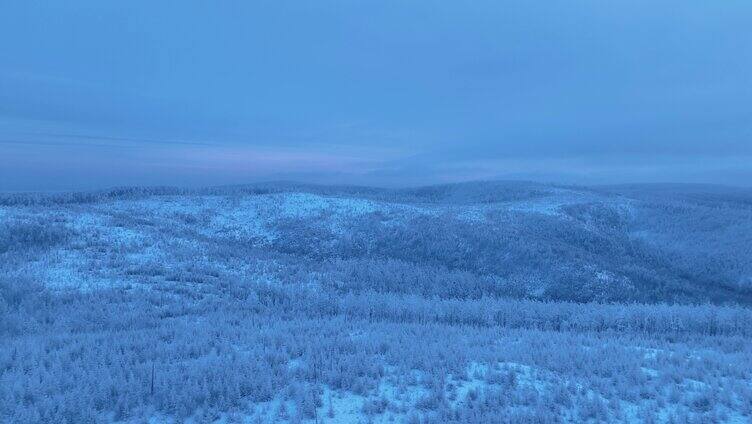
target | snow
[
  {"x": 64, "y": 270},
  {"x": 395, "y": 396},
  {"x": 296, "y": 205},
  {"x": 239, "y": 221},
  {"x": 174, "y": 240}
]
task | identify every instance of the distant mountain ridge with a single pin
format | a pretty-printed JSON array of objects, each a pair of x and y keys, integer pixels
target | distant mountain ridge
[{"x": 647, "y": 243}]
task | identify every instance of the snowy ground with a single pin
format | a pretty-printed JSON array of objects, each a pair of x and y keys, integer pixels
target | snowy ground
[
  {"x": 221, "y": 290},
  {"x": 137, "y": 234}
]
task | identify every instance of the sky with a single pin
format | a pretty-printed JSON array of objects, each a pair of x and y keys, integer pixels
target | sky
[{"x": 96, "y": 94}]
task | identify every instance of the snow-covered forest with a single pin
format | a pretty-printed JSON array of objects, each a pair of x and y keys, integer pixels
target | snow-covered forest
[{"x": 465, "y": 303}]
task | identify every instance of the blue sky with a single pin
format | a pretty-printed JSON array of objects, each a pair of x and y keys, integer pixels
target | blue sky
[{"x": 96, "y": 94}]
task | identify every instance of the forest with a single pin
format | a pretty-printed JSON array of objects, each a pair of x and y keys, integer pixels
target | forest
[{"x": 468, "y": 303}]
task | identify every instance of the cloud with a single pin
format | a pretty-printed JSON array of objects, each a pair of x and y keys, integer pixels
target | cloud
[{"x": 385, "y": 94}]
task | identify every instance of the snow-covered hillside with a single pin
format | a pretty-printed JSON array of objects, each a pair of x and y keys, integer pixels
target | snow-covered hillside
[
  {"x": 489, "y": 302},
  {"x": 541, "y": 241}
]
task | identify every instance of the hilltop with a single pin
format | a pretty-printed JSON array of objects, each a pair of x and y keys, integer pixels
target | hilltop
[{"x": 647, "y": 243}]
